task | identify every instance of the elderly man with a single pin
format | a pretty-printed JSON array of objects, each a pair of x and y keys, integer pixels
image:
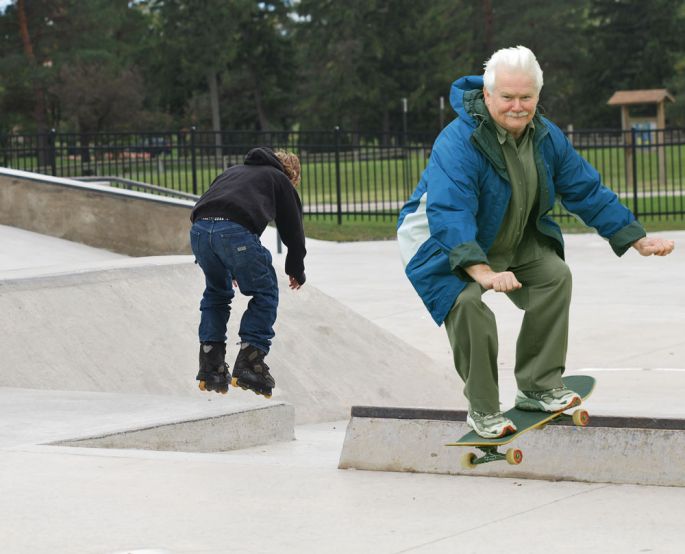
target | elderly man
[{"x": 478, "y": 220}]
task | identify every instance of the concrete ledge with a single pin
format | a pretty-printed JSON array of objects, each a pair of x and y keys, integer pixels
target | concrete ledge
[
  {"x": 641, "y": 451},
  {"x": 232, "y": 431},
  {"x": 460, "y": 416},
  {"x": 127, "y": 222}
]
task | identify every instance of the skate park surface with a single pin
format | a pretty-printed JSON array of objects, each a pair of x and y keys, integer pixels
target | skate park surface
[{"x": 59, "y": 493}]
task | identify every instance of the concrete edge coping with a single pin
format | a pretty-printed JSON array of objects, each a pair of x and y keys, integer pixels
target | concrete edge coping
[
  {"x": 73, "y": 183},
  {"x": 94, "y": 271},
  {"x": 619, "y": 422}
]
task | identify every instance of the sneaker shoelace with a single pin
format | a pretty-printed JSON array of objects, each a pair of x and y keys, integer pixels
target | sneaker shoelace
[{"x": 488, "y": 417}]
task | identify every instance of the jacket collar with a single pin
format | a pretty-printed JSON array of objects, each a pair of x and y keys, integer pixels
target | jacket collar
[{"x": 485, "y": 136}]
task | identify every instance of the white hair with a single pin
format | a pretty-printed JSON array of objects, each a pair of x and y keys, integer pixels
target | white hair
[{"x": 519, "y": 58}]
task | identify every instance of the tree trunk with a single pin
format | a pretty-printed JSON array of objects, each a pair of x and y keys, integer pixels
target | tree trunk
[
  {"x": 39, "y": 115},
  {"x": 213, "y": 83},
  {"x": 488, "y": 28},
  {"x": 261, "y": 114},
  {"x": 386, "y": 127}
]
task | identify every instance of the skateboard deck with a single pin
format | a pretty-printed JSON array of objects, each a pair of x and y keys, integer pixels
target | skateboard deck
[{"x": 524, "y": 421}]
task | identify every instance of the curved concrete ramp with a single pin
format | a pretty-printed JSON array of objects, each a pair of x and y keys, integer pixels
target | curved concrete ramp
[
  {"x": 131, "y": 328},
  {"x": 644, "y": 451}
]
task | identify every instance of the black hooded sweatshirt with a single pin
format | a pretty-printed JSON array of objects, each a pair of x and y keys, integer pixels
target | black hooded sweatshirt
[{"x": 254, "y": 194}]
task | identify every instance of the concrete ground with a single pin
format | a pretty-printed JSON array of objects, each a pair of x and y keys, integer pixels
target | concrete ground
[{"x": 627, "y": 324}]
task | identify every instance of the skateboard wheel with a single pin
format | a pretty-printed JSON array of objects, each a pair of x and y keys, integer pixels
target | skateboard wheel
[
  {"x": 467, "y": 460},
  {"x": 514, "y": 456},
  {"x": 541, "y": 427},
  {"x": 202, "y": 386},
  {"x": 581, "y": 418}
]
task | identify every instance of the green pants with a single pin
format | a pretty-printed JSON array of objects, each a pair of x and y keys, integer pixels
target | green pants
[{"x": 542, "y": 342}]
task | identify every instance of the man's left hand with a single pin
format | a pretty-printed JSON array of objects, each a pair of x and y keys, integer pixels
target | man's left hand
[{"x": 654, "y": 246}]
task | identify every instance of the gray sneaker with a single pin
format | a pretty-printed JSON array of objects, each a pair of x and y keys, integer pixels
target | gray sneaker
[
  {"x": 490, "y": 425},
  {"x": 552, "y": 400}
]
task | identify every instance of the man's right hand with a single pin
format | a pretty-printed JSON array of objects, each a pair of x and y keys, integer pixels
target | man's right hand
[
  {"x": 504, "y": 281},
  {"x": 294, "y": 283}
]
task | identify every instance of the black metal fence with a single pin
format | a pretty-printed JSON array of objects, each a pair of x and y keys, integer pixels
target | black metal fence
[{"x": 344, "y": 174}]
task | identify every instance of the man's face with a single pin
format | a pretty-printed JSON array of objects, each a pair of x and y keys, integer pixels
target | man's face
[{"x": 513, "y": 101}]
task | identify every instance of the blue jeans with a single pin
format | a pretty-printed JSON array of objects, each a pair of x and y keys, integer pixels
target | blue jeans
[{"x": 226, "y": 251}]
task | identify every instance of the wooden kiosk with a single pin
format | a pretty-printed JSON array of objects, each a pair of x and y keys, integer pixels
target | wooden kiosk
[{"x": 655, "y": 125}]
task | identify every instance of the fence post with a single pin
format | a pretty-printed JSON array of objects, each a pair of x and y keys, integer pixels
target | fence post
[
  {"x": 338, "y": 186},
  {"x": 52, "y": 152},
  {"x": 193, "y": 161},
  {"x": 5, "y": 142},
  {"x": 633, "y": 155}
]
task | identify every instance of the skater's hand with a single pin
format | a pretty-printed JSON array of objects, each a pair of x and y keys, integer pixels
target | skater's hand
[
  {"x": 654, "y": 246},
  {"x": 293, "y": 283},
  {"x": 504, "y": 281}
]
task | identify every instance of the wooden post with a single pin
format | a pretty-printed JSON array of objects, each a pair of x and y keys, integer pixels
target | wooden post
[
  {"x": 661, "y": 140},
  {"x": 628, "y": 146}
]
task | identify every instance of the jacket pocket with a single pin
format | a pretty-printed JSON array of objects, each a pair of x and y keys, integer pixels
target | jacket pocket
[{"x": 425, "y": 269}]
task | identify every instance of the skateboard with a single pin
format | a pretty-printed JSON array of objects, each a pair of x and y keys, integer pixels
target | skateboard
[{"x": 524, "y": 421}]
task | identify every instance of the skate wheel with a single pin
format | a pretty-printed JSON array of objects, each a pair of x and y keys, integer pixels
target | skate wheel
[
  {"x": 581, "y": 418},
  {"x": 202, "y": 386},
  {"x": 514, "y": 456},
  {"x": 234, "y": 382},
  {"x": 541, "y": 427},
  {"x": 467, "y": 460}
]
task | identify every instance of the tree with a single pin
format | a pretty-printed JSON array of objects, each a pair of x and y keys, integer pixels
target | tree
[
  {"x": 64, "y": 34},
  {"x": 198, "y": 40},
  {"x": 98, "y": 97},
  {"x": 554, "y": 31},
  {"x": 631, "y": 45},
  {"x": 261, "y": 79},
  {"x": 358, "y": 59},
  {"x": 38, "y": 89}
]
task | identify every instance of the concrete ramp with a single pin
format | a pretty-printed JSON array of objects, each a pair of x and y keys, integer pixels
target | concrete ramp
[
  {"x": 147, "y": 422},
  {"x": 644, "y": 451},
  {"x": 132, "y": 329}
]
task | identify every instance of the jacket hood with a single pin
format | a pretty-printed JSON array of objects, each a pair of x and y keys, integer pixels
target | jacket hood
[
  {"x": 263, "y": 156},
  {"x": 466, "y": 95}
]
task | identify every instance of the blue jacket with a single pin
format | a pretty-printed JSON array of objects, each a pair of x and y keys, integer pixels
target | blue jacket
[{"x": 452, "y": 218}]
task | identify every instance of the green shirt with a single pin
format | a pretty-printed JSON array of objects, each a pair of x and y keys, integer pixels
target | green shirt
[{"x": 517, "y": 239}]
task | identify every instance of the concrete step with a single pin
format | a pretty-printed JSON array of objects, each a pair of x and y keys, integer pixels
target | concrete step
[
  {"x": 645, "y": 451},
  {"x": 206, "y": 423}
]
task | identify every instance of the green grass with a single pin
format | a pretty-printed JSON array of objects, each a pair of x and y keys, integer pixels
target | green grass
[
  {"x": 363, "y": 229},
  {"x": 651, "y": 224},
  {"x": 351, "y": 230}
]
